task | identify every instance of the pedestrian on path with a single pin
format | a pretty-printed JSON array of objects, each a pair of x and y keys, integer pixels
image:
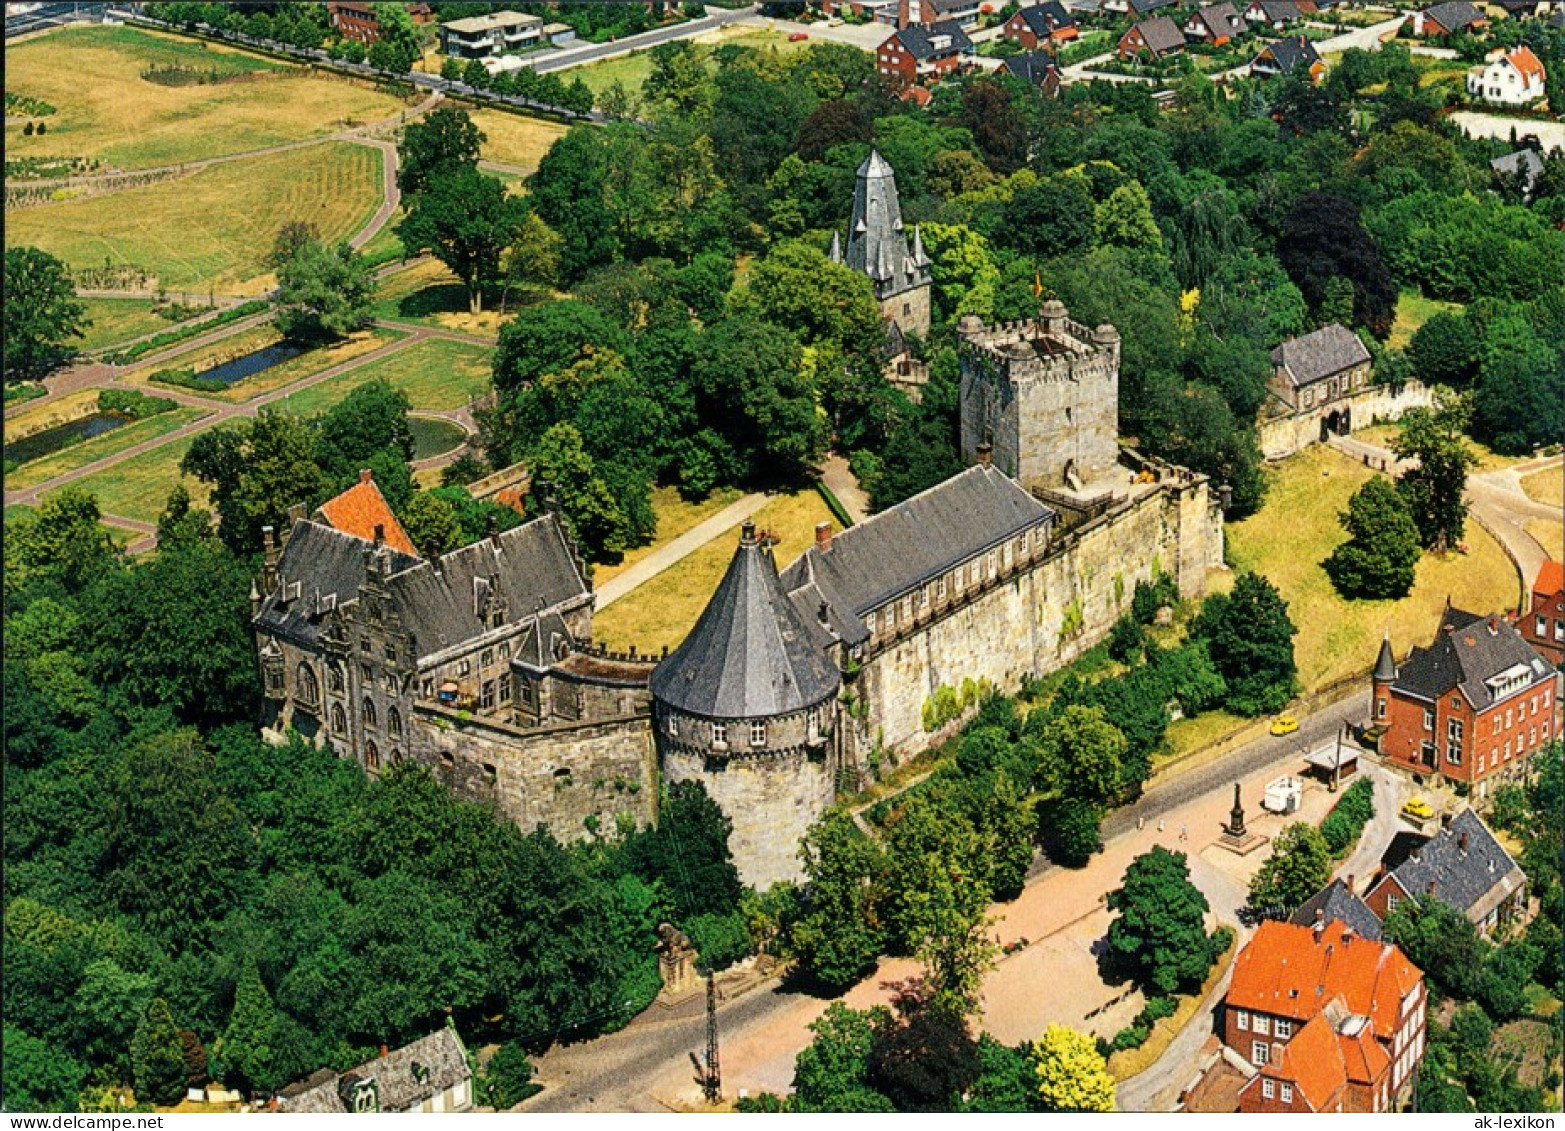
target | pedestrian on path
[
  {"x": 1184, "y": 832},
  {"x": 1141, "y": 823},
  {"x": 1160, "y": 824}
]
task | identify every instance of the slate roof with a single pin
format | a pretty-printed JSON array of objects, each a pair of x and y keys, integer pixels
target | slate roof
[
  {"x": 1161, "y": 34},
  {"x": 531, "y": 567},
  {"x": 1032, "y": 66},
  {"x": 1290, "y": 54},
  {"x": 1221, "y": 19},
  {"x": 1278, "y": 11},
  {"x": 1337, "y": 904},
  {"x": 1468, "y": 650},
  {"x": 1142, "y": 7},
  {"x": 1385, "y": 663},
  {"x": 362, "y": 508},
  {"x": 919, "y": 41},
  {"x": 1287, "y": 971},
  {"x": 327, "y": 566},
  {"x": 403, "y": 1078},
  {"x": 1047, "y": 18},
  {"x": 750, "y": 655},
  {"x": 1322, "y": 353},
  {"x": 1473, "y": 881},
  {"x": 914, "y": 542},
  {"x": 1453, "y": 15}
]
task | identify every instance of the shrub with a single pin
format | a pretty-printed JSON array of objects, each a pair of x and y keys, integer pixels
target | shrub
[
  {"x": 132, "y": 403},
  {"x": 507, "y": 1079},
  {"x": 1147, "y": 599},
  {"x": 1127, "y": 640},
  {"x": 1131, "y": 1037},
  {"x": 1158, "y": 1008},
  {"x": 1222, "y": 939},
  {"x": 720, "y": 940},
  {"x": 186, "y": 379}
]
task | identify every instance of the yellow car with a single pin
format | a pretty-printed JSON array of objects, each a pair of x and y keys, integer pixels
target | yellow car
[
  {"x": 1418, "y": 809},
  {"x": 1284, "y": 724}
]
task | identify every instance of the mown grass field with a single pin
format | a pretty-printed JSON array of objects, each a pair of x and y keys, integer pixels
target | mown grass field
[
  {"x": 1381, "y": 435},
  {"x": 675, "y": 516},
  {"x": 1289, "y": 538},
  {"x": 663, "y": 611},
  {"x": 1412, "y": 311},
  {"x": 138, "y": 488},
  {"x": 437, "y": 374},
  {"x": 1546, "y": 486},
  {"x": 429, "y": 294},
  {"x": 632, "y": 70},
  {"x": 512, "y": 139},
  {"x": 215, "y": 228},
  {"x": 1549, "y": 535},
  {"x": 106, "y": 110},
  {"x": 116, "y": 320},
  {"x": 80, "y": 455}
]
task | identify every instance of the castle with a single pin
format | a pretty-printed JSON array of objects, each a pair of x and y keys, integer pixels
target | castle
[{"x": 796, "y": 684}]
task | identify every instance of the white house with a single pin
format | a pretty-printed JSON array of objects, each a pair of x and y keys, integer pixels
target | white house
[{"x": 1512, "y": 78}]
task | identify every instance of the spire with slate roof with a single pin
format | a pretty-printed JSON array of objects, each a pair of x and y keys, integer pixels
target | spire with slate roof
[{"x": 877, "y": 243}]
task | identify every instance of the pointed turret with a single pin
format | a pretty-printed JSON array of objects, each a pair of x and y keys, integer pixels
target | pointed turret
[
  {"x": 920, "y": 258},
  {"x": 836, "y": 247},
  {"x": 877, "y": 243},
  {"x": 1386, "y": 664}
]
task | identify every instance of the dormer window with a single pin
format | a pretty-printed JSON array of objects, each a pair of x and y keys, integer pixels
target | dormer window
[{"x": 366, "y": 1100}]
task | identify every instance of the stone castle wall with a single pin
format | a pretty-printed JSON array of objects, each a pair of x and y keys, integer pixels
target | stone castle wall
[
  {"x": 558, "y": 776},
  {"x": 1286, "y": 435},
  {"x": 1040, "y": 617},
  {"x": 909, "y": 310}
]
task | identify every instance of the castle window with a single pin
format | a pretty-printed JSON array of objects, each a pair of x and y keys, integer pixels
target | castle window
[
  {"x": 486, "y": 700},
  {"x": 527, "y": 692},
  {"x": 369, "y": 712},
  {"x": 366, "y": 673},
  {"x": 869, "y": 621},
  {"x": 505, "y": 650},
  {"x": 487, "y": 658},
  {"x": 489, "y": 773},
  {"x": 364, "y": 644},
  {"x": 391, "y": 652},
  {"x": 464, "y": 667},
  {"x": 371, "y": 756},
  {"x": 496, "y": 620},
  {"x": 719, "y": 734},
  {"x": 673, "y": 726},
  {"x": 393, "y": 722},
  {"x": 940, "y": 588},
  {"x": 505, "y": 691},
  {"x": 334, "y": 678},
  {"x": 309, "y": 692},
  {"x": 339, "y": 719},
  {"x": 428, "y": 688},
  {"x": 757, "y": 734}
]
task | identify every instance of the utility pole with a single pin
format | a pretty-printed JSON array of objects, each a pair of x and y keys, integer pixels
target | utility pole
[{"x": 713, "y": 1084}]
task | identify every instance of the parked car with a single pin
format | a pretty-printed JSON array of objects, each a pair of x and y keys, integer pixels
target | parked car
[
  {"x": 798, "y": 36},
  {"x": 1418, "y": 809},
  {"x": 1284, "y": 724}
]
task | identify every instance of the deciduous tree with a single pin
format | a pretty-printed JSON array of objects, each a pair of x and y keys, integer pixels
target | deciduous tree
[
  {"x": 1382, "y": 550},
  {"x": 1071, "y": 1072},
  {"x": 467, "y": 220},
  {"x": 1299, "y": 866},
  {"x": 41, "y": 312},
  {"x": 1160, "y": 932},
  {"x": 1434, "y": 489}
]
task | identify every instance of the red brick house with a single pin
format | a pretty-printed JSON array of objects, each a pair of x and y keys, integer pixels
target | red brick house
[
  {"x": 917, "y": 55},
  {"x": 1448, "y": 19},
  {"x": 1474, "y": 705},
  {"x": 1330, "y": 1021},
  {"x": 360, "y": 21},
  {"x": 1215, "y": 24},
  {"x": 1542, "y": 624},
  {"x": 1041, "y": 24},
  {"x": 1155, "y": 38},
  {"x": 1462, "y": 866}
]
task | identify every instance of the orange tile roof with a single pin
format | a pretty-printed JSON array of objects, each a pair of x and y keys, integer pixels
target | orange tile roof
[
  {"x": 1551, "y": 577},
  {"x": 1531, "y": 68},
  {"x": 1364, "y": 1057},
  {"x": 1285, "y": 970},
  {"x": 1312, "y": 1061},
  {"x": 360, "y": 509}
]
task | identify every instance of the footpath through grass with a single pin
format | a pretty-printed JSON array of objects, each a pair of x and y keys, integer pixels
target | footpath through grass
[
  {"x": 437, "y": 374},
  {"x": 675, "y": 516},
  {"x": 106, "y": 110},
  {"x": 1289, "y": 538},
  {"x": 138, "y": 488},
  {"x": 214, "y": 229}
]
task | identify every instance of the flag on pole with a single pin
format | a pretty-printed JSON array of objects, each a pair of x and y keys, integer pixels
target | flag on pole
[{"x": 1037, "y": 284}]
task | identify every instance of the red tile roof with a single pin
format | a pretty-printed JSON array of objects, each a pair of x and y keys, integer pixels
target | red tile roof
[
  {"x": 362, "y": 508},
  {"x": 1531, "y": 68},
  {"x": 1365, "y": 1058},
  {"x": 1551, "y": 577},
  {"x": 1312, "y": 1061},
  {"x": 1287, "y": 971}
]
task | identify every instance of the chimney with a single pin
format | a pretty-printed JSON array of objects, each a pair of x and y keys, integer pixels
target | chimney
[
  {"x": 1494, "y": 625},
  {"x": 1347, "y": 936},
  {"x": 1276, "y": 1057},
  {"x": 986, "y": 453},
  {"x": 823, "y": 613},
  {"x": 269, "y": 568},
  {"x": 492, "y": 529},
  {"x": 384, "y": 1051},
  {"x": 366, "y": 475},
  {"x": 1350, "y": 884},
  {"x": 823, "y": 536},
  {"x": 380, "y": 529},
  {"x": 1430, "y": 887},
  {"x": 1445, "y": 820},
  {"x": 747, "y": 532},
  {"x": 1320, "y": 925},
  {"x": 1461, "y": 844}
]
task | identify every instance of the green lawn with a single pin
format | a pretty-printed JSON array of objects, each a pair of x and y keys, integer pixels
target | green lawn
[
  {"x": 138, "y": 488},
  {"x": 307, "y": 364},
  {"x": 80, "y": 455},
  {"x": 437, "y": 374},
  {"x": 1413, "y": 310},
  {"x": 116, "y": 320},
  {"x": 215, "y": 228},
  {"x": 632, "y": 70}
]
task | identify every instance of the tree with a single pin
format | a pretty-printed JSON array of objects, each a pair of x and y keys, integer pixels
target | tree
[
  {"x": 244, "y": 1051},
  {"x": 1299, "y": 866},
  {"x": 41, "y": 312},
  {"x": 1125, "y": 219},
  {"x": 1440, "y": 941},
  {"x": 1069, "y": 828},
  {"x": 1052, "y": 217},
  {"x": 324, "y": 293},
  {"x": 1519, "y": 403},
  {"x": 1250, "y": 638},
  {"x": 182, "y": 524},
  {"x": 1007, "y": 1080},
  {"x": 61, "y": 540},
  {"x": 157, "y": 1057},
  {"x": 1079, "y": 754},
  {"x": 467, "y": 220},
  {"x": 568, "y": 192},
  {"x": 431, "y": 524},
  {"x": 549, "y": 338},
  {"x": 1434, "y": 489},
  {"x": 1160, "y": 933},
  {"x": 1324, "y": 238},
  {"x": 1444, "y": 350},
  {"x": 924, "y": 1060},
  {"x": 372, "y": 418},
  {"x": 1071, "y": 1072},
  {"x": 257, "y": 469},
  {"x": 292, "y": 237},
  {"x": 831, "y": 1073},
  {"x": 1382, "y": 551},
  {"x": 688, "y": 853},
  {"x": 507, "y": 1079},
  {"x": 37, "y": 1076},
  {"x": 561, "y": 465},
  {"x": 989, "y": 113},
  {"x": 839, "y": 937}
]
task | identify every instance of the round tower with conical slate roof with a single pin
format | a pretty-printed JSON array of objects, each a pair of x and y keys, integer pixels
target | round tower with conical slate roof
[
  {"x": 878, "y": 247},
  {"x": 747, "y": 706}
]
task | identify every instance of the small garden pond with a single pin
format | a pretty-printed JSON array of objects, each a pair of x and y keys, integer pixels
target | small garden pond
[
  {"x": 252, "y": 363},
  {"x": 50, "y": 440},
  {"x": 433, "y": 436}
]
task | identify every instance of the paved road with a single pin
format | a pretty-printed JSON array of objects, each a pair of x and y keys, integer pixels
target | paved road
[
  {"x": 1551, "y": 134},
  {"x": 568, "y": 57},
  {"x": 841, "y": 481},
  {"x": 48, "y": 16},
  {"x": 683, "y": 546}
]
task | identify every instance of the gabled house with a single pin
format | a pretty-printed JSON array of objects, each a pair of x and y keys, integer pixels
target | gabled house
[
  {"x": 1215, "y": 24},
  {"x": 1274, "y": 14},
  {"x": 1156, "y": 38},
  {"x": 1448, "y": 19},
  {"x": 917, "y": 54},
  {"x": 1509, "y": 78},
  {"x": 1542, "y": 624},
  {"x": 964, "y": 13},
  {"x": 429, "y": 1075},
  {"x": 1330, "y": 1020},
  {"x": 1136, "y": 8},
  {"x": 1522, "y": 170},
  {"x": 1295, "y": 55},
  {"x": 1471, "y": 707},
  {"x": 1320, "y": 367},
  {"x": 1336, "y": 903},
  {"x": 1462, "y": 866},
  {"x": 1037, "y": 68},
  {"x": 1037, "y": 24},
  {"x": 363, "y": 512}
]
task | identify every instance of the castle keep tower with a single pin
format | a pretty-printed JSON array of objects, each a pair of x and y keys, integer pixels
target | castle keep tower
[
  {"x": 1045, "y": 394},
  {"x": 747, "y": 706},
  {"x": 878, "y": 247}
]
